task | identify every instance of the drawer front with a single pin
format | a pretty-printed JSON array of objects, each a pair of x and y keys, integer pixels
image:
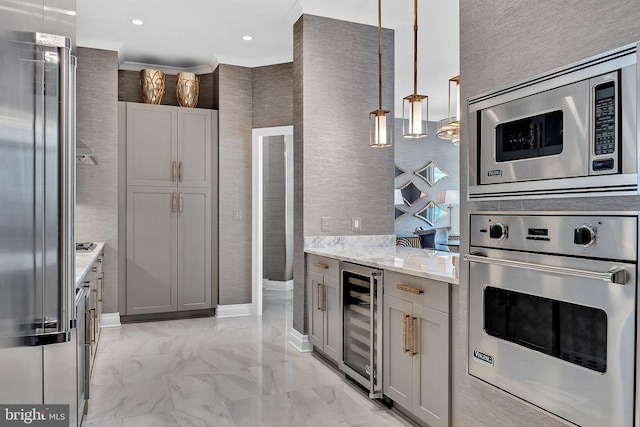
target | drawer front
[
  {"x": 322, "y": 265},
  {"x": 430, "y": 293}
]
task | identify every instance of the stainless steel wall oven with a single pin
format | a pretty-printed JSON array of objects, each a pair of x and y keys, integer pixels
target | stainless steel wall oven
[
  {"x": 362, "y": 326},
  {"x": 569, "y": 132},
  {"x": 552, "y": 311}
]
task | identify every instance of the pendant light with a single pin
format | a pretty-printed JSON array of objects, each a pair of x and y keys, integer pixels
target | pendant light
[
  {"x": 380, "y": 121},
  {"x": 449, "y": 128},
  {"x": 415, "y": 108}
]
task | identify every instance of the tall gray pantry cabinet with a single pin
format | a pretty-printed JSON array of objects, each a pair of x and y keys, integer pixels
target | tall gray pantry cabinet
[{"x": 169, "y": 208}]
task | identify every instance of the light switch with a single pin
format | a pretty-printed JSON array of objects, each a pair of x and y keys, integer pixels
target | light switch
[
  {"x": 356, "y": 223},
  {"x": 325, "y": 225},
  {"x": 237, "y": 214}
]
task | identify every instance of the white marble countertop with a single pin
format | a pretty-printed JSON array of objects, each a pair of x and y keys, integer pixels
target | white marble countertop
[
  {"x": 84, "y": 260},
  {"x": 434, "y": 265}
]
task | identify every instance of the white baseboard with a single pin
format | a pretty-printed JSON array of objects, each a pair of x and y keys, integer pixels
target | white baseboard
[
  {"x": 110, "y": 320},
  {"x": 277, "y": 285},
  {"x": 300, "y": 342},
  {"x": 234, "y": 310}
]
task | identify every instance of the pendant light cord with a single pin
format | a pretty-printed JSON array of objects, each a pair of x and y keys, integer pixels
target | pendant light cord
[
  {"x": 380, "y": 54},
  {"x": 415, "y": 47}
]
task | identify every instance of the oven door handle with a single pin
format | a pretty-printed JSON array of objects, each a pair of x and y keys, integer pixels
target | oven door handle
[{"x": 615, "y": 275}]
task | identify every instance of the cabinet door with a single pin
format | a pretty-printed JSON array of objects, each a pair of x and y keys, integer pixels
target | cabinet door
[
  {"x": 152, "y": 241},
  {"x": 431, "y": 372},
  {"x": 397, "y": 378},
  {"x": 194, "y": 147},
  {"x": 333, "y": 316},
  {"x": 152, "y": 144},
  {"x": 316, "y": 313},
  {"x": 194, "y": 248}
]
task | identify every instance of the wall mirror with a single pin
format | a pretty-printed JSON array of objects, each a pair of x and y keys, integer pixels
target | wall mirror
[
  {"x": 432, "y": 213},
  {"x": 431, "y": 173},
  {"x": 411, "y": 194},
  {"x": 400, "y": 213}
]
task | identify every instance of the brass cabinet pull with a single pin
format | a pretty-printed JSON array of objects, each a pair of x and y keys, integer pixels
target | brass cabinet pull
[
  {"x": 405, "y": 349},
  {"x": 411, "y": 290},
  {"x": 322, "y": 266},
  {"x": 180, "y": 171},
  {"x": 411, "y": 343},
  {"x": 412, "y": 336},
  {"x": 318, "y": 305},
  {"x": 173, "y": 202},
  {"x": 180, "y": 202},
  {"x": 173, "y": 171},
  {"x": 324, "y": 297},
  {"x": 94, "y": 270}
]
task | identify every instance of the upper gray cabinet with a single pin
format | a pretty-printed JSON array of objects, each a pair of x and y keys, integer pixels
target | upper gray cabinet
[{"x": 168, "y": 146}]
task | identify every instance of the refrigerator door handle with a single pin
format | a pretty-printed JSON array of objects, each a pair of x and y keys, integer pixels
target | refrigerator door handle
[{"x": 58, "y": 50}]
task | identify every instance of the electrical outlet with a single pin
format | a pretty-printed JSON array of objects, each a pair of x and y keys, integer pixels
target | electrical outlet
[
  {"x": 237, "y": 214},
  {"x": 325, "y": 225},
  {"x": 356, "y": 223}
]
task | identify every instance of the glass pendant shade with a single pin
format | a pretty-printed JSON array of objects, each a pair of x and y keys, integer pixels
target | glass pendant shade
[
  {"x": 380, "y": 129},
  {"x": 449, "y": 128},
  {"x": 415, "y": 112}
]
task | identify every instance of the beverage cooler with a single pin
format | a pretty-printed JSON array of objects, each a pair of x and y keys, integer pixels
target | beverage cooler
[{"x": 362, "y": 326}]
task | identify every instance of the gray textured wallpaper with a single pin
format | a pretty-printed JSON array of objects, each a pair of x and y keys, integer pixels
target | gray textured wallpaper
[
  {"x": 234, "y": 182},
  {"x": 97, "y": 186},
  {"x": 337, "y": 174},
  {"x": 503, "y": 42}
]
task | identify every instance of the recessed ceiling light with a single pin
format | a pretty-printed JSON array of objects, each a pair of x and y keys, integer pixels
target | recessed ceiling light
[
  {"x": 247, "y": 37},
  {"x": 137, "y": 21}
]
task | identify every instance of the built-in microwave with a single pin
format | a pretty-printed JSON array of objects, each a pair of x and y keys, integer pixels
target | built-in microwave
[{"x": 567, "y": 133}]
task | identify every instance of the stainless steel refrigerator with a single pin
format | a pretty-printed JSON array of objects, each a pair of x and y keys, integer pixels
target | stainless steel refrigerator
[{"x": 38, "y": 353}]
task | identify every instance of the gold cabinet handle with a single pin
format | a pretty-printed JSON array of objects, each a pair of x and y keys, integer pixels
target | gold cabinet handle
[
  {"x": 102, "y": 284},
  {"x": 94, "y": 270},
  {"x": 318, "y": 295},
  {"x": 180, "y": 202},
  {"x": 173, "y": 171},
  {"x": 324, "y": 297},
  {"x": 173, "y": 202},
  {"x": 409, "y": 289},
  {"x": 412, "y": 336},
  {"x": 322, "y": 266},
  {"x": 405, "y": 349},
  {"x": 180, "y": 171}
]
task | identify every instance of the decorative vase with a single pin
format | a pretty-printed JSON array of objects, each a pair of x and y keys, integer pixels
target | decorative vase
[
  {"x": 152, "y": 82},
  {"x": 188, "y": 89}
]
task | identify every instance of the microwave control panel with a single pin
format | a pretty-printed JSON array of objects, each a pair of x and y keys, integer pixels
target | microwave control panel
[{"x": 605, "y": 126}]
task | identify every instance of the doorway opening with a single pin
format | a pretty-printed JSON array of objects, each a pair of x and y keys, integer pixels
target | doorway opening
[{"x": 272, "y": 211}]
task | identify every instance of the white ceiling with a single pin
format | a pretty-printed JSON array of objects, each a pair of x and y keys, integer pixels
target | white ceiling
[{"x": 192, "y": 33}]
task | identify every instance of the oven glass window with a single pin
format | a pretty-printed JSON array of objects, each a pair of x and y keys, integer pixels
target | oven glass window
[
  {"x": 571, "y": 332},
  {"x": 535, "y": 136}
]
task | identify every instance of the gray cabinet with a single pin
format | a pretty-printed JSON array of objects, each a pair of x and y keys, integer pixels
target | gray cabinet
[
  {"x": 416, "y": 346},
  {"x": 194, "y": 248},
  {"x": 168, "y": 145},
  {"x": 325, "y": 311},
  {"x": 169, "y": 208},
  {"x": 152, "y": 244}
]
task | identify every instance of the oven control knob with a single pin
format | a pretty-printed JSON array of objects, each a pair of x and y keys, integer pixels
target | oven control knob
[
  {"x": 498, "y": 231},
  {"x": 584, "y": 236}
]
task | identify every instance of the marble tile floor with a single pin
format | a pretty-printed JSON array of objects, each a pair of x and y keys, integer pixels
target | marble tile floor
[{"x": 234, "y": 372}]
